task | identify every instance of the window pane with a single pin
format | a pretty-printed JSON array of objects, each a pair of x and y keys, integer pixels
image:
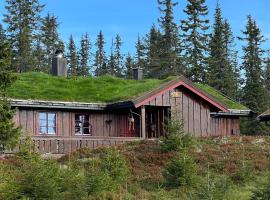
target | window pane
[
  {"x": 51, "y": 123},
  {"x": 43, "y": 130},
  {"x": 86, "y": 131},
  {"x": 51, "y": 130},
  {"x": 51, "y": 116},
  {"x": 42, "y": 122},
  {"x": 42, "y": 116},
  {"x": 78, "y": 130}
]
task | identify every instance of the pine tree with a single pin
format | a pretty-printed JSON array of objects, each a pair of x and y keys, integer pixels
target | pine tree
[
  {"x": 9, "y": 134},
  {"x": 118, "y": 57},
  {"x": 73, "y": 62},
  {"x": 195, "y": 38},
  {"x": 232, "y": 78},
  {"x": 140, "y": 53},
  {"x": 85, "y": 55},
  {"x": 170, "y": 41},
  {"x": 222, "y": 72},
  {"x": 22, "y": 19},
  {"x": 129, "y": 65},
  {"x": 50, "y": 40},
  {"x": 254, "y": 93},
  {"x": 2, "y": 33},
  {"x": 154, "y": 52},
  {"x": 100, "y": 56},
  {"x": 267, "y": 77},
  {"x": 111, "y": 65}
]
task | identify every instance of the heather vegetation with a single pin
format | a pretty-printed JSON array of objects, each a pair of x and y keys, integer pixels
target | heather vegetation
[{"x": 222, "y": 168}]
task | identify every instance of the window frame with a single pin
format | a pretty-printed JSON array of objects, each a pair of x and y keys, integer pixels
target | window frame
[
  {"x": 47, "y": 126},
  {"x": 83, "y": 127}
]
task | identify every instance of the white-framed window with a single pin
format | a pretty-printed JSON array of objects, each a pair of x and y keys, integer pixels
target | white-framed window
[
  {"x": 47, "y": 123},
  {"x": 82, "y": 125}
]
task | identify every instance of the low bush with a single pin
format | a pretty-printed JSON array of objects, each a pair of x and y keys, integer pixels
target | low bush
[
  {"x": 177, "y": 139},
  {"x": 213, "y": 187},
  {"x": 38, "y": 179},
  {"x": 262, "y": 192},
  {"x": 180, "y": 171},
  {"x": 105, "y": 173}
]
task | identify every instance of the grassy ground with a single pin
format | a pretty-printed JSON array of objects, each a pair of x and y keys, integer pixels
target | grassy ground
[
  {"x": 243, "y": 161},
  {"x": 90, "y": 89}
]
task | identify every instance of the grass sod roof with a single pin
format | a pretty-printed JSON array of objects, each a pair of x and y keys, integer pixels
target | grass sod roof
[
  {"x": 40, "y": 86},
  {"x": 231, "y": 104}
]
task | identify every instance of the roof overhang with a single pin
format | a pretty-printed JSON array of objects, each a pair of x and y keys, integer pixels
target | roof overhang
[
  {"x": 264, "y": 117},
  {"x": 41, "y": 104},
  {"x": 233, "y": 113}
]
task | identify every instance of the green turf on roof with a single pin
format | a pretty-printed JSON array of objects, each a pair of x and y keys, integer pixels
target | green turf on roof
[
  {"x": 231, "y": 104},
  {"x": 42, "y": 86},
  {"x": 81, "y": 89}
]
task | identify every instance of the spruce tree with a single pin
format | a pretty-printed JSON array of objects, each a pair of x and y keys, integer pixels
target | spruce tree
[
  {"x": 84, "y": 55},
  {"x": 111, "y": 65},
  {"x": 129, "y": 65},
  {"x": 9, "y": 134},
  {"x": 170, "y": 41},
  {"x": 140, "y": 54},
  {"x": 254, "y": 93},
  {"x": 22, "y": 18},
  {"x": 100, "y": 56},
  {"x": 50, "y": 40},
  {"x": 72, "y": 55},
  {"x": 267, "y": 77},
  {"x": 195, "y": 39},
  {"x": 118, "y": 57},
  {"x": 222, "y": 70},
  {"x": 153, "y": 52}
]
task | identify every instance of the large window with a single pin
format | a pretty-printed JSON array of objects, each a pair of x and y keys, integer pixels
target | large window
[
  {"x": 47, "y": 123},
  {"x": 82, "y": 126}
]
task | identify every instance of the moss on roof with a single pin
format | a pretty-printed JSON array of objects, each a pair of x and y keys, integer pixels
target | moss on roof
[
  {"x": 42, "y": 86},
  {"x": 231, "y": 104}
]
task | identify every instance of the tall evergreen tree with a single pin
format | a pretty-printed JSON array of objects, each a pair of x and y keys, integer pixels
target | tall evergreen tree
[
  {"x": 2, "y": 33},
  {"x": 72, "y": 55},
  {"x": 85, "y": 55},
  {"x": 267, "y": 77},
  {"x": 221, "y": 66},
  {"x": 9, "y": 134},
  {"x": 111, "y": 65},
  {"x": 170, "y": 41},
  {"x": 118, "y": 57},
  {"x": 140, "y": 53},
  {"x": 254, "y": 93},
  {"x": 100, "y": 56},
  {"x": 153, "y": 52},
  {"x": 50, "y": 40},
  {"x": 129, "y": 65},
  {"x": 195, "y": 38},
  {"x": 22, "y": 18}
]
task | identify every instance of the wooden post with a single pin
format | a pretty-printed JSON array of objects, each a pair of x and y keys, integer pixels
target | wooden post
[{"x": 143, "y": 122}]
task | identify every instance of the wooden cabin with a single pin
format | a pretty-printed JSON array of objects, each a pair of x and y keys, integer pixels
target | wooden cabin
[{"x": 60, "y": 126}]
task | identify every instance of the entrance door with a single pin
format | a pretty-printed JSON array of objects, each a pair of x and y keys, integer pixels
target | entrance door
[{"x": 156, "y": 121}]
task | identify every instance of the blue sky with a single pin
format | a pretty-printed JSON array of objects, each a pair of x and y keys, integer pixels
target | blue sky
[{"x": 132, "y": 17}]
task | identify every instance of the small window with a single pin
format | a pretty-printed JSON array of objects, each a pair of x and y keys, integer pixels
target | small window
[
  {"x": 47, "y": 123},
  {"x": 82, "y": 126}
]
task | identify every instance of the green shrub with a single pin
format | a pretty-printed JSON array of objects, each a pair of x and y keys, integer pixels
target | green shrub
[
  {"x": 177, "y": 139},
  {"x": 262, "y": 191},
  {"x": 105, "y": 173},
  {"x": 37, "y": 179},
  {"x": 243, "y": 173},
  {"x": 213, "y": 187},
  {"x": 180, "y": 171}
]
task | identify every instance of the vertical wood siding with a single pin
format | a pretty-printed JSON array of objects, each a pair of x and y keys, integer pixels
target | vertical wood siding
[{"x": 195, "y": 113}]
